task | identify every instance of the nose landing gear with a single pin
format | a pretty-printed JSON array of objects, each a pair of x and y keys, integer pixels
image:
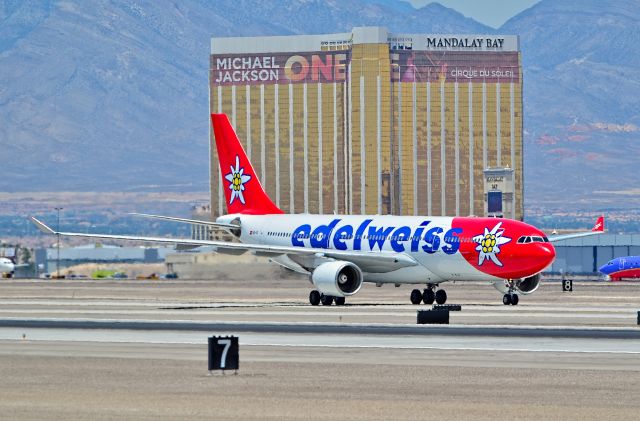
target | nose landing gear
[{"x": 510, "y": 297}]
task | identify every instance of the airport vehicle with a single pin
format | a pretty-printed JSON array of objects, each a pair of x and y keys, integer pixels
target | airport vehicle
[
  {"x": 627, "y": 267},
  {"x": 340, "y": 252}
]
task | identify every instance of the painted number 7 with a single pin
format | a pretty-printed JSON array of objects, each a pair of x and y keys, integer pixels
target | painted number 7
[{"x": 223, "y": 358}]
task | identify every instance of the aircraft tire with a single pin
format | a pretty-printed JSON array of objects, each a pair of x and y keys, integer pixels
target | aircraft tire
[
  {"x": 326, "y": 300},
  {"x": 506, "y": 299},
  {"x": 428, "y": 296},
  {"x": 314, "y": 298},
  {"x": 441, "y": 296},
  {"x": 514, "y": 299},
  {"x": 339, "y": 301},
  {"x": 416, "y": 296}
]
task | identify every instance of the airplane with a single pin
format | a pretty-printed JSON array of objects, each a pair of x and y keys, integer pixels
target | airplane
[
  {"x": 622, "y": 267},
  {"x": 8, "y": 267},
  {"x": 341, "y": 252}
]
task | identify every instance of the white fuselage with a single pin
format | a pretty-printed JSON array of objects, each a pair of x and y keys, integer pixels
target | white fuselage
[
  {"x": 431, "y": 241},
  {"x": 6, "y": 265}
]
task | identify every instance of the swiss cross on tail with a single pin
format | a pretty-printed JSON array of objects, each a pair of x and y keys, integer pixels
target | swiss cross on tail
[
  {"x": 599, "y": 226},
  {"x": 243, "y": 192}
]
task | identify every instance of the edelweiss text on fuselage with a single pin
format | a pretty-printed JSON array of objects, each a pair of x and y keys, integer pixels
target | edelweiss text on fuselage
[{"x": 401, "y": 239}]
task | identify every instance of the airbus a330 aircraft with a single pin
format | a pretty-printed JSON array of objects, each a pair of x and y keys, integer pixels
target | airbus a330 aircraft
[{"x": 340, "y": 252}]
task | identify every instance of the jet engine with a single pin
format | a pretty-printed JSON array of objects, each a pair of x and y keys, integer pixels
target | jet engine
[
  {"x": 337, "y": 278},
  {"x": 523, "y": 286}
]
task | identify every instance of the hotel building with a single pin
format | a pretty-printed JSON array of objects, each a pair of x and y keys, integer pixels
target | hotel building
[{"x": 372, "y": 122}]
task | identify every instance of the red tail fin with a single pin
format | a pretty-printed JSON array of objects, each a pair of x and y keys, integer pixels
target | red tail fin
[
  {"x": 599, "y": 226},
  {"x": 242, "y": 189}
]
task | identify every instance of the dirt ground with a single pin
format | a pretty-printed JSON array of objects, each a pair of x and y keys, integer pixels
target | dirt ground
[
  {"x": 172, "y": 383},
  {"x": 62, "y": 380}
]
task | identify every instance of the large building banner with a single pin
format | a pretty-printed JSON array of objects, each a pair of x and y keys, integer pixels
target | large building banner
[
  {"x": 258, "y": 69},
  {"x": 332, "y": 66},
  {"x": 454, "y": 66}
]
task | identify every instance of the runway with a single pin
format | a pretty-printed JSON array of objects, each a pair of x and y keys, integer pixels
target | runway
[{"x": 137, "y": 350}]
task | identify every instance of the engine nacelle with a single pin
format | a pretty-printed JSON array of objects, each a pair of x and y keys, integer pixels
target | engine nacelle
[
  {"x": 338, "y": 278},
  {"x": 523, "y": 286}
]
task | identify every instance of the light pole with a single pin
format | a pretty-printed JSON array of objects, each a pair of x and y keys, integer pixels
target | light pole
[{"x": 58, "y": 235}]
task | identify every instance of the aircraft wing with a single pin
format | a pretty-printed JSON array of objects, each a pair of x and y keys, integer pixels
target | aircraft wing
[
  {"x": 379, "y": 261},
  {"x": 226, "y": 227},
  {"x": 598, "y": 228}
]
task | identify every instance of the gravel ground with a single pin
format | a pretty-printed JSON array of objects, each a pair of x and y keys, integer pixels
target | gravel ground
[
  {"x": 56, "y": 381},
  {"x": 106, "y": 381}
]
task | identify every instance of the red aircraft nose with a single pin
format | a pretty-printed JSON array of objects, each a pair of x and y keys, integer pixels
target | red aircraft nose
[
  {"x": 535, "y": 257},
  {"x": 504, "y": 248}
]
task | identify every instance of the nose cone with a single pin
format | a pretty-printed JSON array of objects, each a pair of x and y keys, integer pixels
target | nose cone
[
  {"x": 531, "y": 259},
  {"x": 544, "y": 254},
  {"x": 538, "y": 256},
  {"x": 606, "y": 268}
]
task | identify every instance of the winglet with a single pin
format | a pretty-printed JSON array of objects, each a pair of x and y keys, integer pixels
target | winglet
[
  {"x": 599, "y": 226},
  {"x": 41, "y": 226}
]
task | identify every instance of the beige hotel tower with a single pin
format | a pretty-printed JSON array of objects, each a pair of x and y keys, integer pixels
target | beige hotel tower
[{"x": 370, "y": 122}]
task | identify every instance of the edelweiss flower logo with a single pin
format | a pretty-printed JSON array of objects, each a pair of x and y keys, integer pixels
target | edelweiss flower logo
[
  {"x": 237, "y": 178},
  {"x": 489, "y": 244}
]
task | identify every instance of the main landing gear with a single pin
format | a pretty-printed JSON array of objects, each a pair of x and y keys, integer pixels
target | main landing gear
[
  {"x": 428, "y": 296},
  {"x": 315, "y": 298}
]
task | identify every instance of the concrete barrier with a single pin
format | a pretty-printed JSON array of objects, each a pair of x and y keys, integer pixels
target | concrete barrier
[{"x": 433, "y": 317}]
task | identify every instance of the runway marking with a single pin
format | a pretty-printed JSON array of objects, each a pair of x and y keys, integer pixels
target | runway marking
[
  {"x": 122, "y": 337},
  {"x": 200, "y": 312},
  {"x": 468, "y": 308},
  {"x": 446, "y": 348}
]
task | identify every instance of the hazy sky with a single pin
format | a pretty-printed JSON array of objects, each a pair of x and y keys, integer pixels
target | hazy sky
[{"x": 490, "y": 12}]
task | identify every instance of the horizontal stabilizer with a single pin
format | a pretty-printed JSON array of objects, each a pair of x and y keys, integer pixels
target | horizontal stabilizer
[{"x": 226, "y": 227}]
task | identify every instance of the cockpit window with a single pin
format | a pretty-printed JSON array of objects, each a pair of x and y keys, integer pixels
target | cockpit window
[{"x": 525, "y": 239}]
